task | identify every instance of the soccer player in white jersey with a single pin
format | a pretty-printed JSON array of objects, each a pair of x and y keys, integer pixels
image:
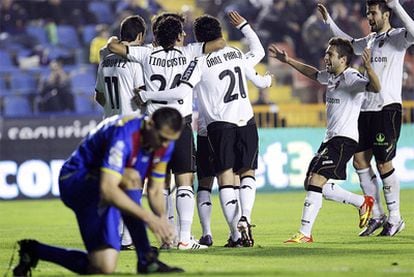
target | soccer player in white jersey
[
  {"x": 380, "y": 118},
  {"x": 344, "y": 96},
  {"x": 117, "y": 78},
  {"x": 163, "y": 66},
  {"x": 204, "y": 157},
  {"x": 223, "y": 99}
]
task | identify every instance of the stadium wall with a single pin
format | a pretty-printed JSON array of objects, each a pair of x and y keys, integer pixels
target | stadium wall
[{"x": 32, "y": 151}]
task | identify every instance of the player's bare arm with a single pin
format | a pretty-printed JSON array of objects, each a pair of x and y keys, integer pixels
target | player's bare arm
[
  {"x": 374, "y": 83},
  {"x": 115, "y": 46},
  {"x": 155, "y": 196},
  {"x": 281, "y": 55}
]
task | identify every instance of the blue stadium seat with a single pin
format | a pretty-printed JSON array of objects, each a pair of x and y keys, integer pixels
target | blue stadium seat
[
  {"x": 84, "y": 103},
  {"x": 56, "y": 52},
  {"x": 3, "y": 84},
  {"x": 88, "y": 34},
  {"x": 23, "y": 83},
  {"x": 39, "y": 33},
  {"x": 5, "y": 59},
  {"x": 84, "y": 79},
  {"x": 16, "y": 105},
  {"x": 67, "y": 36},
  {"x": 102, "y": 11}
]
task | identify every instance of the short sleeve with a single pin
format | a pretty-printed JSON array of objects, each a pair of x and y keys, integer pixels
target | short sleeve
[
  {"x": 116, "y": 153},
  {"x": 323, "y": 77},
  {"x": 138, "y": 53},
  {"x": 357, "y": 82},
  {"x": 359, "y": 45}
]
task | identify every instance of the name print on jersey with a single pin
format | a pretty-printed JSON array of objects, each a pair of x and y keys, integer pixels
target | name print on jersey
[
  {"x": 114, "y": 63},
  {"x": 167, "y": 62},
  {"x": 226, "y": 56}
]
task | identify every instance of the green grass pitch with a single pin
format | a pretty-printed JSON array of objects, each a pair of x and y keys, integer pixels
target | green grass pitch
[{"x": 337, "y": 251}]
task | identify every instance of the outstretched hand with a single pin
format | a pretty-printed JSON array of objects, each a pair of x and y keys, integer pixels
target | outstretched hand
[
  {"x": 323, "y": 11},
  {"x": 235, "y": 18},
  {"x": 276, "y": 53}
]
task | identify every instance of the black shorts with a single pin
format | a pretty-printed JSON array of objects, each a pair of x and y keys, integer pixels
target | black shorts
[
  {"x": 332, "y": 156},
  {"x": 183, "y": 156},
  {"x": 380, "y": 132},
  {"x": 233, "y": 147},
  {"x": 247, "y": 147},
  {"x": 204, "y": 158}
]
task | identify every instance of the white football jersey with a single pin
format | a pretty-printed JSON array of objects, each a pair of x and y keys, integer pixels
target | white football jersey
[
  {"x": 253, "y": 57},
  {"x": 387, "y": 59},
  {"x": 163, "y": 71},
  {"x": 116, "y": 79},
  {"x": 344, "y": 96},
  {"x": 220, "y": 80}
]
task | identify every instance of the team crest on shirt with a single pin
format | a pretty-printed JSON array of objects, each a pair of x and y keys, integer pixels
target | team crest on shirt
[{"x": 381, "y": 43}]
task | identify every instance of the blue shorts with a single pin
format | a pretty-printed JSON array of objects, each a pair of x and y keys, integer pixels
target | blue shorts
[{"x": 98, "y": 223}]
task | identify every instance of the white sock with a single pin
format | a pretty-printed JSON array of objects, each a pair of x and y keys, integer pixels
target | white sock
[
  {"x": 126, "y": 236},
  {"x": 247, "y": 196},
  {"x": 168, "y": 206},
  {"x": 369, "y": 185},
  {"x": 239, "y": 209},
  {"x": 392, "y": 197},
  {"x": 204, "y": 206},
  {"x": 311, "y": 207},
  {"x": 228, "y": 203},
  {"x": 124, "y": 233},
  {"x": 185, "y": 211},
  {"x": 335, "y": 193}
]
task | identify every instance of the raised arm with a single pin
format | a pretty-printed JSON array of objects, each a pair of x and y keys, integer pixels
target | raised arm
[
  {"x": 374, "y": 83},
  {"x": 332, "y": 25},
  {"x": 402, "y": 14},
  {"x": 257, "y": 52},
  {"x": 282, "y": 56}
]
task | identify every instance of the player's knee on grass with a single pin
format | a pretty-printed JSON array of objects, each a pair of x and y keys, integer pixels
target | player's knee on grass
[{"x": 103, "y": 261}]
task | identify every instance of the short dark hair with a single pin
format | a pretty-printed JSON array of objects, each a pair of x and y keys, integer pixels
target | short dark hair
[
  {"x": 167, "y": 31},
  {"x": 157, "y": 19},
  {"x": 167, "y": 116},
  {"x": 131, "y": 26},
  {"x": 382, "y": 5},
  {"x": 343, "y": 47},
  {"x": 207, "y": 28}
]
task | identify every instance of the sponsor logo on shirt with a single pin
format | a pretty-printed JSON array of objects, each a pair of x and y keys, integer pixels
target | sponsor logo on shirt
[
  {"x": 378, "y": 59},
  {"x": 380, "y": 140},
  {"x": 116, "y": 155},
  {"x": 331, "y": 100}
]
